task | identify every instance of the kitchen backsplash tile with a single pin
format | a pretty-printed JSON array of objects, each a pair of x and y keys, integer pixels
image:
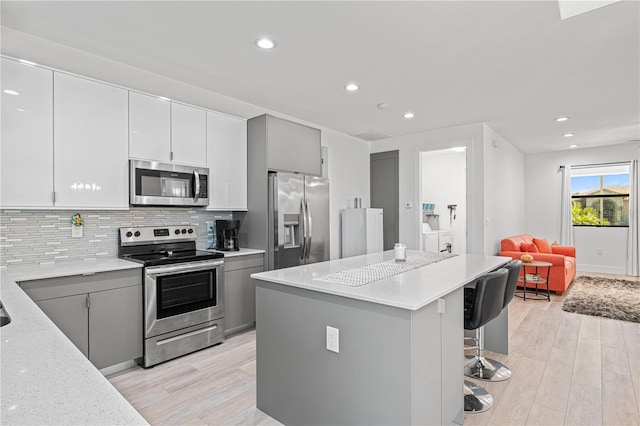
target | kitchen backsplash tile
[{"x": 44, "y": 236}]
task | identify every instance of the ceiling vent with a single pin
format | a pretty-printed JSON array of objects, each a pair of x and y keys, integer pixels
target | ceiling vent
[{"x": 371, "y": 135}]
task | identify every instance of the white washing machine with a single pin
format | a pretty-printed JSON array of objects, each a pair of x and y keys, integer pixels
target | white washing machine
[
  {"x": 444, "y": 240},
  {"x": 435, "y": 241}
]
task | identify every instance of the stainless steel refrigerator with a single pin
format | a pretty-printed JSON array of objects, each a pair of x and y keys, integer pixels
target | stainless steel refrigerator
[{"x": 298, "y": 229}]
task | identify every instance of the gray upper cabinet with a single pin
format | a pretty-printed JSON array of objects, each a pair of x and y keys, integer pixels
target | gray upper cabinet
[{"x": 289, "y": 146}]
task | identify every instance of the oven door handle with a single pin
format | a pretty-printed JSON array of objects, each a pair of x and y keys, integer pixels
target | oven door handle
[{"x": 178, "y": 268}]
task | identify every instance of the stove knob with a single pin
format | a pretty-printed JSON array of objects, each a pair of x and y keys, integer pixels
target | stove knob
[
  {"x": 136, "y": 234},
  {"x": 184, "y": 231},
  {"x": 177, "y": 231},
  {"x": 129, "y": 234},
  {"x": 190, "y": 230}
]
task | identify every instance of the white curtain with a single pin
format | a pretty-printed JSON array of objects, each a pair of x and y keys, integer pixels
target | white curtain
[
  {"x": 566, "y": 222},
  {"x": 633, "y": 253}
]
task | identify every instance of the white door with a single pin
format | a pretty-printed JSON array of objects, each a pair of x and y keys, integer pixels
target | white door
[
  {"x": 27, "y": 136},
  {"x": 149, "y": 127},
  {"x": 227, "y": 161},
  {"x": 91, "y": 150},
  {"x": 188, "y": 135}
]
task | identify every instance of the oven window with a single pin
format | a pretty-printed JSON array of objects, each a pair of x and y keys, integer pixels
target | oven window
[{"x": 190, "y": 291}]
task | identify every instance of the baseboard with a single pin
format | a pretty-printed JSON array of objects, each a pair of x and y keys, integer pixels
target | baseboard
[
  {"x": 601, "y": 268},
  {"x": 113, "y": 369}
]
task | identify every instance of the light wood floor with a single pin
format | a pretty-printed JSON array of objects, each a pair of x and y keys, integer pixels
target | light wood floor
[{"x": 567, "y": 369}]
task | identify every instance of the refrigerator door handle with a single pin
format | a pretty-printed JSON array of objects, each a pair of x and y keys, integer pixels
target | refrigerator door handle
[
  {"x": 302, "y": 235},
  {"x": 309, "y": 230}
]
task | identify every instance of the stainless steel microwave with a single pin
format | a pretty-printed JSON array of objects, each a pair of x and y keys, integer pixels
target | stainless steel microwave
[{"x": 162, "y": 184}]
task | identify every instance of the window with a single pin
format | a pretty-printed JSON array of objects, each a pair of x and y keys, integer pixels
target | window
[{"x": 600, "y": 195}]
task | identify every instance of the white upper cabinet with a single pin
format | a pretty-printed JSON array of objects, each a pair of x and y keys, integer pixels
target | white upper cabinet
[
  {"x": 188, "y": 135},
  {"x": 227, "y": 162},
  {"x": 149, "y": 127},
  {"x": 26, "y": 149},
  {"x": 160, "y": 130},
  {"x": 91, "y": 149}
]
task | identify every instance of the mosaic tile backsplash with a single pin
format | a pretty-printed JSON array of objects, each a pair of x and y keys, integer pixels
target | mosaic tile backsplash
[{"x": 44, "y": 236}]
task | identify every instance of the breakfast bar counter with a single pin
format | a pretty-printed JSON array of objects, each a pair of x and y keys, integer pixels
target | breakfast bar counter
[{"x": 396, "y": 343}]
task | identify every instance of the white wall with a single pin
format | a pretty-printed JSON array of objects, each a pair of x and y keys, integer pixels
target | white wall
[
  {"x": 348, "y": 157},
  {"x": 504, "y": 190},
  {"x": 543, "y": 181},
  {"x": 444, "y": 182},
  {"x": 348, "y": 178},
  {"x": 409, "y": 147},
  {"x": 483, "y": 187}
]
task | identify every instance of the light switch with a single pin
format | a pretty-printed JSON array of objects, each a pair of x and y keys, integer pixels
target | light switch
[{"x": 333, "y": 339}]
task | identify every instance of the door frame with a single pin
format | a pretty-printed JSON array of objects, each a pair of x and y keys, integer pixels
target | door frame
[{"x": 418, "y": 195}]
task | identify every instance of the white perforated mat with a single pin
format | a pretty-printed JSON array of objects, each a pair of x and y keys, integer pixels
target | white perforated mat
[{"x": 376, "y": 271}]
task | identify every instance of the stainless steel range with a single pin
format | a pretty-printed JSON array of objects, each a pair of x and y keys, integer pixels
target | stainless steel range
[{"x": 183, "y": 290}]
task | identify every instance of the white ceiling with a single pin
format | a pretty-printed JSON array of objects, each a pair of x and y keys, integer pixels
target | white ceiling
[{"x": 512, "y": 64}]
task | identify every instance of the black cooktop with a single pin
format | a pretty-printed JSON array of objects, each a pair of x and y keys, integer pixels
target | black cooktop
[{"x": 169, "y": 257}]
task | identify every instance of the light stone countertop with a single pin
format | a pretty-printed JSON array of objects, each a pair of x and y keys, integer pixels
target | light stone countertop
[
  {"x": 410, "y": 290},
  {"x": 241, "y": 252},
  {"x": 45, "y": 379}
]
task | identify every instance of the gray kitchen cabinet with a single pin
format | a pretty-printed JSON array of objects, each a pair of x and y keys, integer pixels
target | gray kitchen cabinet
[
  {"x": 115, "y": 326},
  {"x": 240, "y": 292},
  {"x": 452, "y": 337},
  {"x": 100, "y": 313},
  {"x": 71, "y": 316},
  {"x": 287, "y": 146}
]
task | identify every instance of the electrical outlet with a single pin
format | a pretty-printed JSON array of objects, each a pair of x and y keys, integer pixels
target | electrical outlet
[
  {"x": 333, "y": 339},
  {"x": 599, "y": 252},
  {"x": 408, "y": 204}
]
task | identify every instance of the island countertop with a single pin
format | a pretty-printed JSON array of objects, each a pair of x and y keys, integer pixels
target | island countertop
[
  {"x": 410, "y": 290},
  {"x": 45, "y": 378}
]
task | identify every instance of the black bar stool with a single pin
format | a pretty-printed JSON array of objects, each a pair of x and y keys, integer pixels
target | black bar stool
[
  {"x": 479, "y": 367},
  {"x": 482, "y": 304}
]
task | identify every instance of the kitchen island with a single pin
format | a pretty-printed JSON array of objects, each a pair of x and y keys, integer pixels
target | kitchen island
[{"x": 399, "y": 346}]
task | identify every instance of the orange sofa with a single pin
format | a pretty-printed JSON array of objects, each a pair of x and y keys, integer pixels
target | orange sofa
[{"x": 563, "y": 259}]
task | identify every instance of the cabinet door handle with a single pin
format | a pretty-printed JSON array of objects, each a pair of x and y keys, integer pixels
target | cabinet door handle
[{"x": 88, "y": 302}]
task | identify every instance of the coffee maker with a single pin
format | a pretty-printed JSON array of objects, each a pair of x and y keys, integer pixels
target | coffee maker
[{"x": 227, "y": 235}]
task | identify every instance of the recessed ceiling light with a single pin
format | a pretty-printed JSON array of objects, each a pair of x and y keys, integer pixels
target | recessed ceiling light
[
  {"x": 559, "y": 119},
  {"x": 383, "y": 105},
  {"x": 351, "y": 87},
  {"x": 11, "y": 92},
  {"x": 20, "y": 110},
  {"x": 408, "y": 115},
  {"x": 569, "y": 135},
  {"x": 265, "y": 43},
  {"x": 573, "y": 146},
  {"x": 28, "y": 63}
]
